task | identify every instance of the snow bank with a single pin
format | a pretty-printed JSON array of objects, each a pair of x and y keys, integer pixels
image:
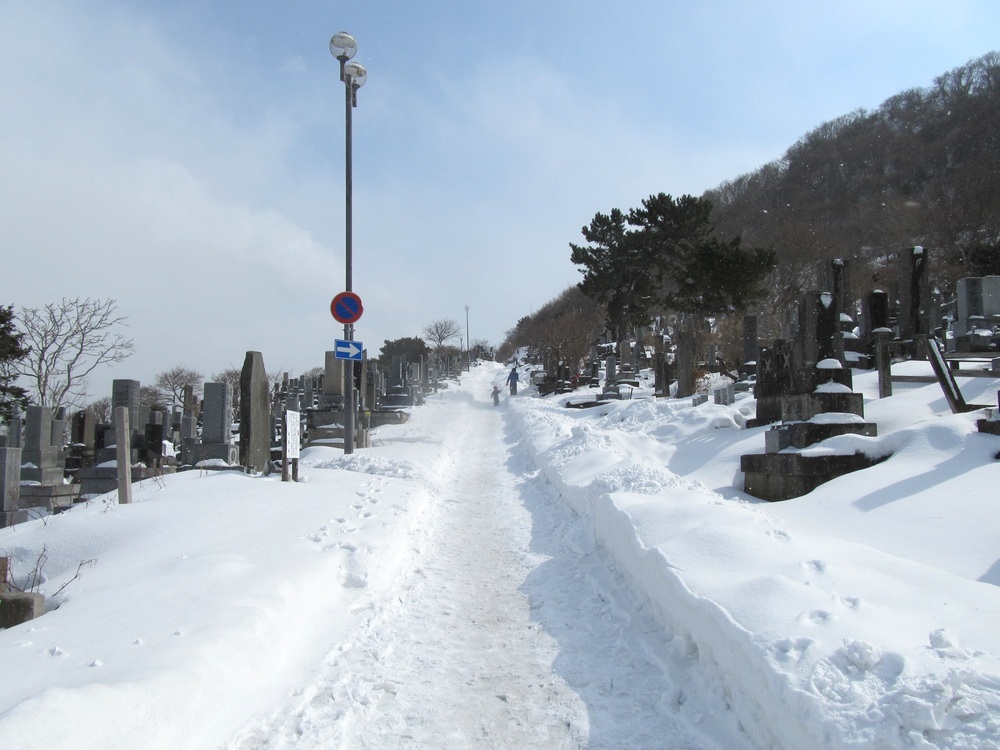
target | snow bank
[{"x": 823, "y": 625}]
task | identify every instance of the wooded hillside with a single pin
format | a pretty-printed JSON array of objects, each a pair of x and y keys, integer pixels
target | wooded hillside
[{"x": 922, "y": 169}]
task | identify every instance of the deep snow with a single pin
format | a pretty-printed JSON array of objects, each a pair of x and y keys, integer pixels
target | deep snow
[{"x": 529, "y": 575}]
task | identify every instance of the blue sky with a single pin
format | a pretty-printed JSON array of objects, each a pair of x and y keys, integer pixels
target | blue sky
[{"x": 187, "y": 158}]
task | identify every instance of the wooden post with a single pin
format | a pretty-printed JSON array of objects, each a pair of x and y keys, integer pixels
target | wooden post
[
  {"x": 284, "y": 452},
  {"x": 124, "y": 448}
]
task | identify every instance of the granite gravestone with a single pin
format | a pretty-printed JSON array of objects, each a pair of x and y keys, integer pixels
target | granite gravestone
[{"x": 255, "y": 414}]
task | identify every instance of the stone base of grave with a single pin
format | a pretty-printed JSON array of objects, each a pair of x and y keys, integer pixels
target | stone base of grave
[
  {"x": 804, "y": 434},
  {"x": 55, "y": 497},
  {"x": 329, "y": 437},
  {"x": 333, "y": 437},
  {"x": 199, "y": 452},
  {"x": 581, "y": 404},
  {"x": 17, "y": 608},
  {"x": 800, "y": 407},
  {"x": 768, "y": 411},
  {"x": 12, "y": 517},
  {"x": 989, "y": 426},
  {"x": 42, "y": 474},
  {"x": 99, "y": 480},
  {"x": 377, "y": 418},
  {"x": 800, "y": 384},
  {"x": 783, "y": 476}
]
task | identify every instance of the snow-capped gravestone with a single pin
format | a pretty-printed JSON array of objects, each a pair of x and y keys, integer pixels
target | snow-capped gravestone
[
  {"x": 41, "y": 448},
  {"x": 977, "y": 324},
  {"x": 916, "y": 307},
  {"x": 43, "y": 461},
  {"x": 875, "y": 321},
  {"x": 813, "y": 400},
  {"x": 216, "y": 446},
  {"x": 255, "y": 414}
]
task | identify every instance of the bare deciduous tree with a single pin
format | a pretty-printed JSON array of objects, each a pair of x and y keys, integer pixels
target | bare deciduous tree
[
  {"x": 102, "y": 409},
  {"x": 149, "y": 395},
  {"x": 171, "y": 384},
  {"x": 440, "y": 332},
  {"x": 68, "y": 341},
  {"x": 231, "y": 375}
]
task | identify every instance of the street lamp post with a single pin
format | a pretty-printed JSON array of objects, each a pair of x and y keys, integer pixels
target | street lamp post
[
  {"x": 354, "y": 75},
  {"x": 468, "y": 341}
]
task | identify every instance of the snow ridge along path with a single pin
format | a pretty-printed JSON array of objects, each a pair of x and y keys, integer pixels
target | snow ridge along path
[{"x": 507, "y": 628}]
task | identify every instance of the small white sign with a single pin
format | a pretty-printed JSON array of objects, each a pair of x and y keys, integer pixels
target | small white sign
[{"x": 292, "y": 433}]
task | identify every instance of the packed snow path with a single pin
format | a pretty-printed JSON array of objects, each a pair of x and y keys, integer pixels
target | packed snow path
[{"x": 507, "y": 630}]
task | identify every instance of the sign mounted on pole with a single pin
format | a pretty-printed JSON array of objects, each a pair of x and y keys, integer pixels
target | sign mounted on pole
[
  {"x": 346, "y": 308},
  {"x": 352, "y": 350},
  {"x": 294, "y": 434}
]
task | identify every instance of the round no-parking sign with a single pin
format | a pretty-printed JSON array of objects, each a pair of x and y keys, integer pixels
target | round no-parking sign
[{"x": 346, "y": 308}]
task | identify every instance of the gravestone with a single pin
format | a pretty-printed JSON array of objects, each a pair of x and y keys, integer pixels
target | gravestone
[
  {"x": 795, "y": 384},
  {"x": 915, "y": 304},
  {"x": 43, "y": 463},
  {"x": 976, "y": 326},
  {"x": 216, "y": 433},
  {"x": 41, "y": 458},
  {"x": 83, "y": 429},
  {"x": 661, "y": 374},
  {"x": 309, "y": 388},
  {"x": 15, "y": 429},
  {"x": 255, "y": 414},
  {"x": 724, "y": 395},
  {"x": 83, "y": 440},
  {"x": 684, "y": 356},
  {"x": 153, "y": 438},
  {"x": 217, "y": 413},
  {"x": 875, "y": 322},
  {"x": 126, "y": 393},
  {"x": 819, "y": 330},
  {"x": 969, "y": 303},
  {"x": 10, "y": 483},
  {"x": 332, "y": 397}
]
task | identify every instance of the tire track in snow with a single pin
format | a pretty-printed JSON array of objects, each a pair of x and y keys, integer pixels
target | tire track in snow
[{"x": 504, "y": 634}]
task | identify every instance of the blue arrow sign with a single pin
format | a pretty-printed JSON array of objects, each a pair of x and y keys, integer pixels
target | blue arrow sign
[{"x": 343, "y": 349}]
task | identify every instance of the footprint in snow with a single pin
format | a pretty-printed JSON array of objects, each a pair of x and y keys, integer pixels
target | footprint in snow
[{"x": 817, "y": 616}]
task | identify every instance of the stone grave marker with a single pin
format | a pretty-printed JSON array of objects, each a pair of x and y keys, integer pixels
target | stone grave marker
[{"x": 255, "y": 414}]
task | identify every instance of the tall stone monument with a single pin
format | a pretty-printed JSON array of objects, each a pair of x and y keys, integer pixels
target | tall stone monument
[{"x": 255, "y": 414}]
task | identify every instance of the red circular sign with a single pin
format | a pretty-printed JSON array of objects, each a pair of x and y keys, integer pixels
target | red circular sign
[{"x": 346, "y": 308}]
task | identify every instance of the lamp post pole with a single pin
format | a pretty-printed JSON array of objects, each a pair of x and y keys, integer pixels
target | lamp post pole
[
  {"x": 354, "y": 75},
  {"x": 468, "y": 341}
]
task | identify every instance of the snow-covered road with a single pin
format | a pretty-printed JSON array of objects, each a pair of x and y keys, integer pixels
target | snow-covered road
[{"x": 507, "y": 628}]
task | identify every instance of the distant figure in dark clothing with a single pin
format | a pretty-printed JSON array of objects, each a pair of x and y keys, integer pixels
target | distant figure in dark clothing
[
  {"x": 496, "y": 396},
  {"x": 512, "y": 381}
]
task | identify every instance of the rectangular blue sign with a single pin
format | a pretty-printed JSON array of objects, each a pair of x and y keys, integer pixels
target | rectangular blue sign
[{"x": 344, "y": 349}]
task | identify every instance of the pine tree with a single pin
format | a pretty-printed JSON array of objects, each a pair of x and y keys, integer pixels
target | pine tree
[
  {"x": 12, "y": 349},
  {"x": 665, "y": 256}
]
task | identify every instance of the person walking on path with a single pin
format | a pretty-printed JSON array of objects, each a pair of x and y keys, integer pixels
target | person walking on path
[
  {"x": 512, "y": 380},
  {"x": 496, "y": 396}
]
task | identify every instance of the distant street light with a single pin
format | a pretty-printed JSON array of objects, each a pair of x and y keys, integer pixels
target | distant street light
[
  {"x": 354, "y": 75},
  {"x": 468, "y": 341}
]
